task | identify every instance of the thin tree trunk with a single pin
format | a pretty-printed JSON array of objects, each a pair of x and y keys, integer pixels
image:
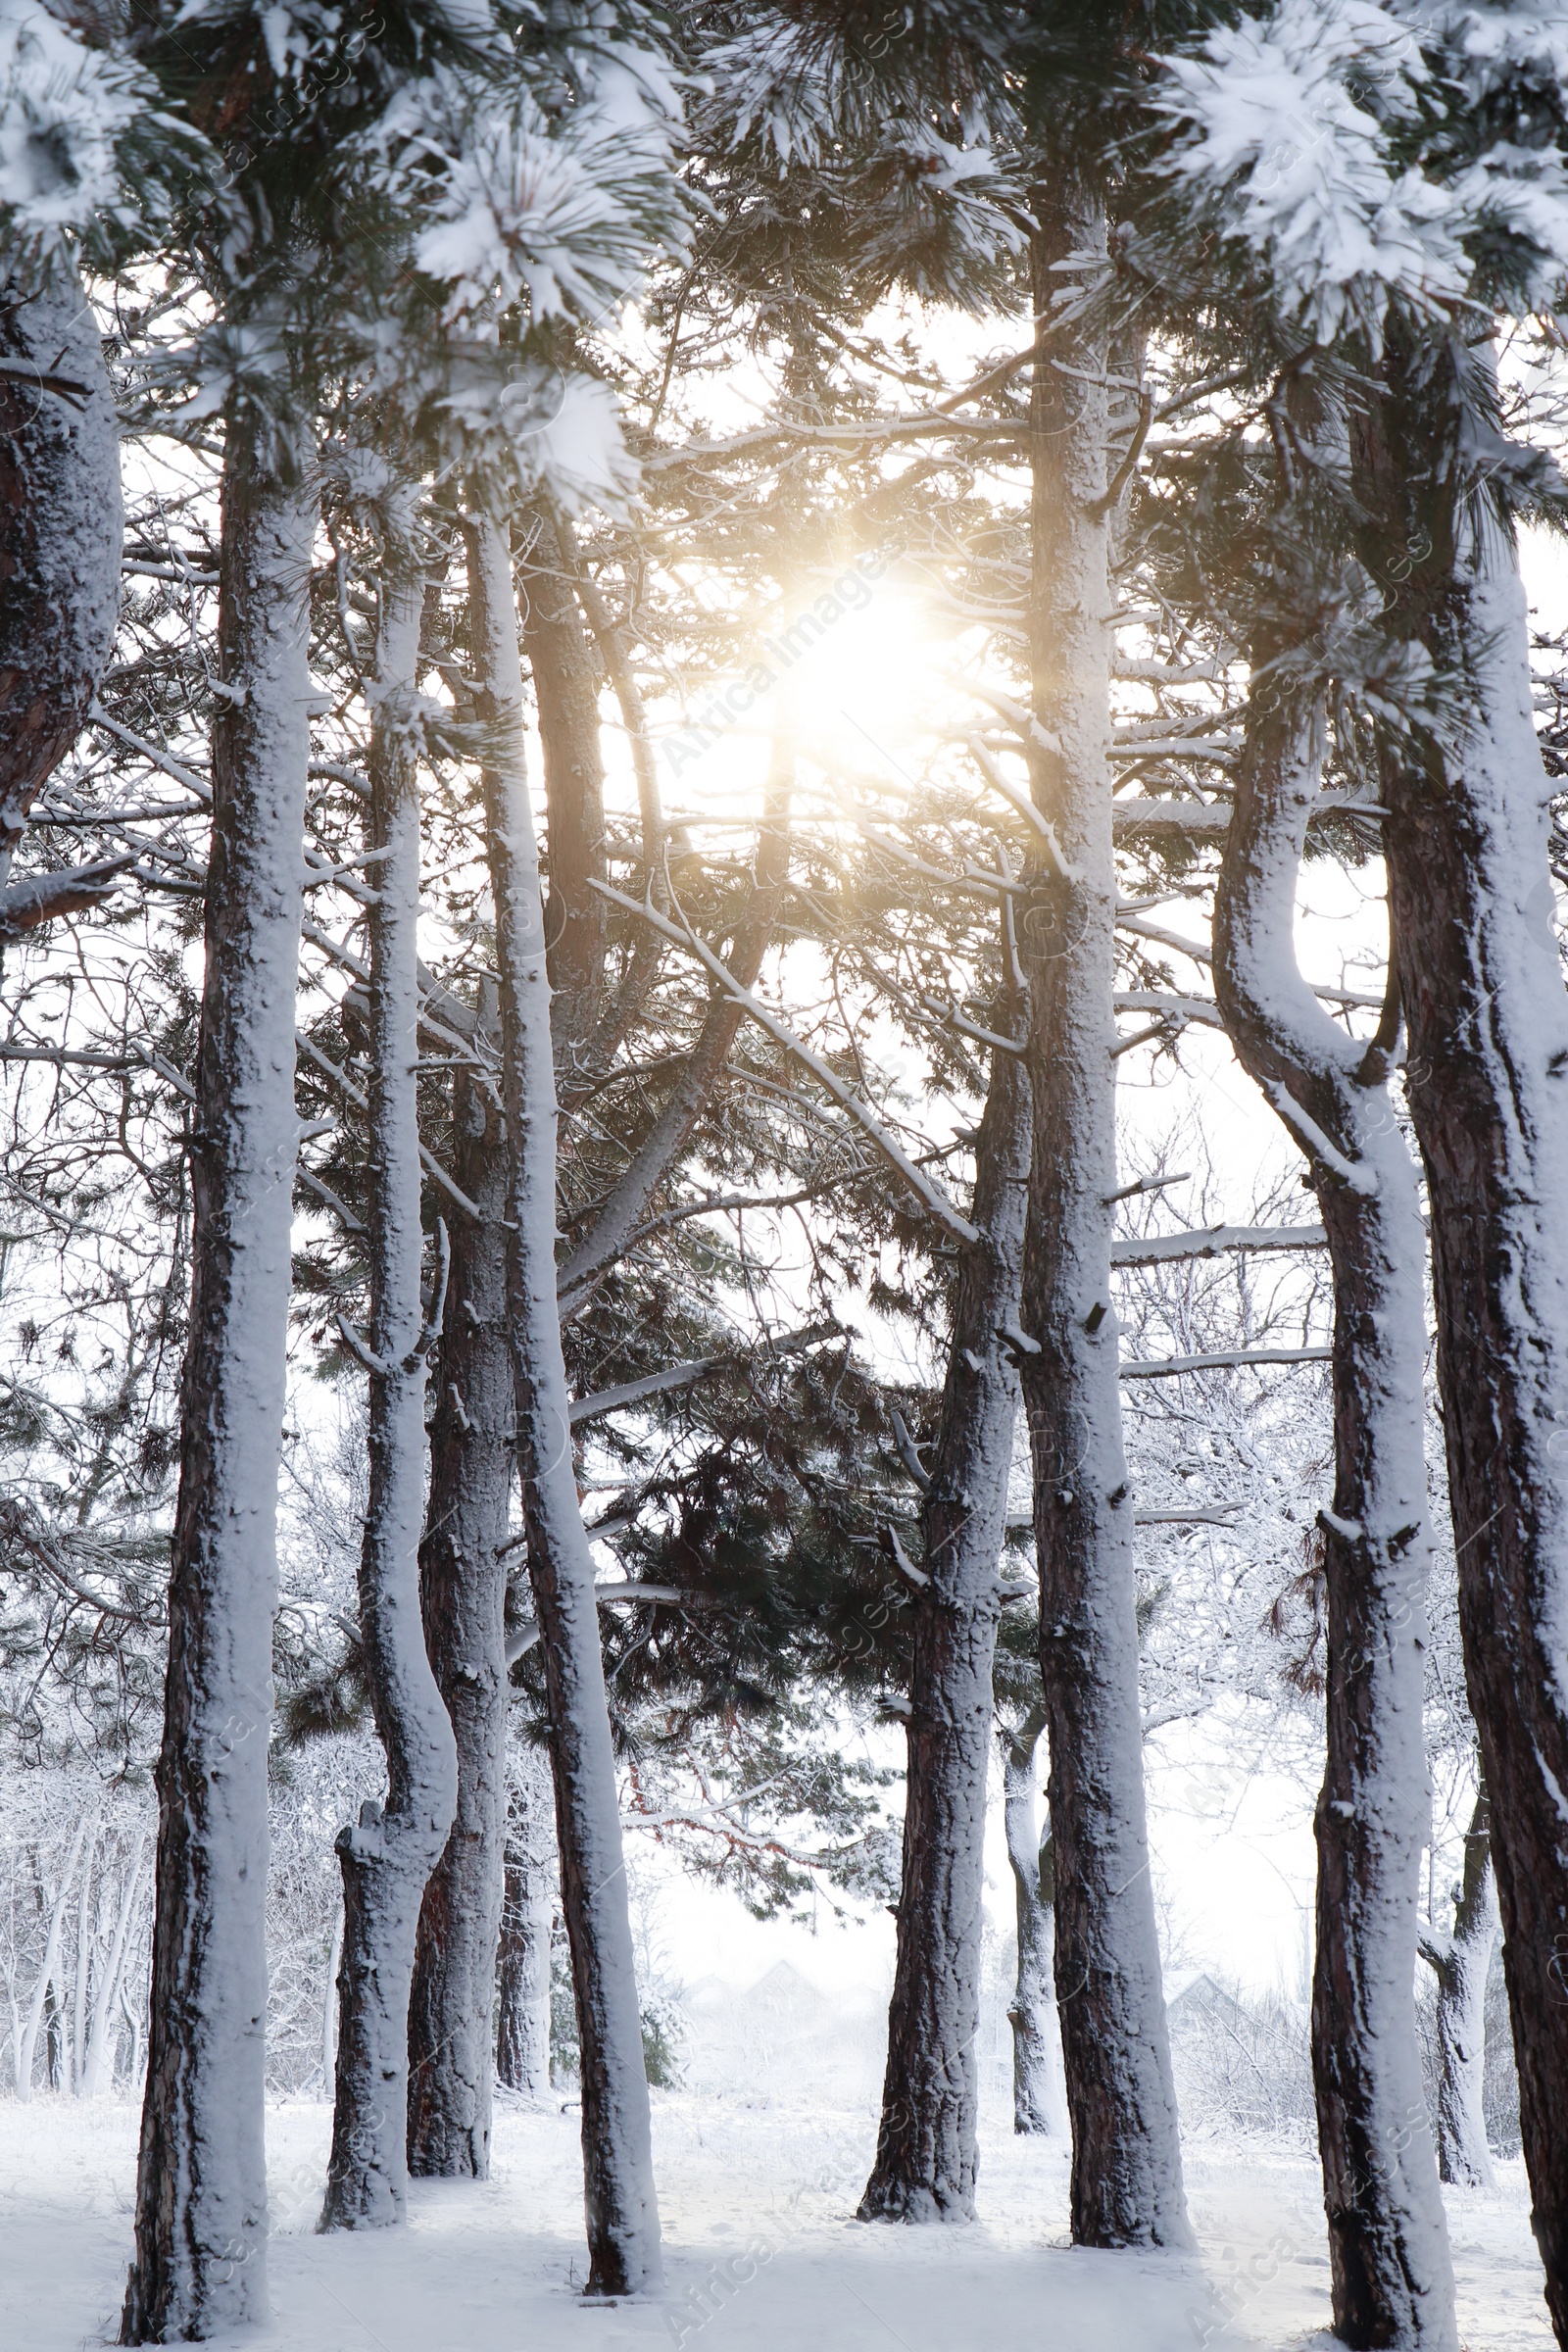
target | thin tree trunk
[
  {"x": 927, "y": 2153},
  {"x": 61, "y": 529},
  {"x": 86, "y": 1937},
  {"x": 1472, "y": 900},
  {"x": 200, "y": 2196},
  {"x": 1126, "y": 2171},
  {"x": 566, "y": 697},
  {"x": 532, "y": 1884},
  {"x": 1462, "y": 1962},
  {"x": 463, "y": 1586},
  {"x": 621, "y": 2212},
  {"x": 27, "y": 2041},
  {"x": 99, "y": 2040},
  {"x": 1038, "y": 2105},
  {"x": 387, "y": 1856},
  {"x": 1391, "y": 2276}
]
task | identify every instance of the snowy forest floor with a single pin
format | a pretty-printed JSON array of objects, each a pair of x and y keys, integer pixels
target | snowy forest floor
[{"x": 494, "y": 2267}]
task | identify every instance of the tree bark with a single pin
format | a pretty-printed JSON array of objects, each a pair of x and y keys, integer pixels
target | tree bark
[
  {"x": 1471, "y": 894},
  {"x": 1039, "y": 2107},
  {"x": 201, "y": 2191},
  {"x": 61, "y": 532},
  {"x": 1126, "y": 2172},
  {"x": 927, "y": 2153},
  {"x": 1461, "y": 1961},
  {"x": 532, "y": 1883},
  {"x": 621, "y": 2211},
  {"x": 463, "y": 1584},
  {"x": 566, "y": 696},
  {"x": 1391, "y": 2276},
  {"x": 389, "y": 1853}
]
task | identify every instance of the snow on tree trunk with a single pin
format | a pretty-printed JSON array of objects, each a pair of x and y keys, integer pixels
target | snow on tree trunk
[
  {"x": 1391, "y": 2276},
  {"x": 201, "y": 2193},
  {"x": 566, "y": 698},
  {"x": 101, "y": 2038},
  {"x": 927, "y": 2156},
  {"x": 1462, "y": 1962},
  {"x": 1471, "y": 893},
  {"x": 389, "y": 1853},
  {"x": 1126, "y": 2174},
  {"x": 464, "y": 1589},
  {"x": 26, "y": 2041},
  {"x": 624, "y": 2238},
  {"x": 532, "y": 1884},
  {"x": 61, "y": 529},
  {"x": 1038, "y": 2105}
]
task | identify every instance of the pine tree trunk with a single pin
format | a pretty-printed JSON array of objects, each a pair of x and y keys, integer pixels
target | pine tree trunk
[
  {"x": 566, "y": 697},
  {"x": 201, "y": 2192},
  {"x": 1462, "y": 1962},
  {"x": 389, "y": 1853},
  {"x": 1126, "y": 2174},
  {"x": 1038, "y": 2108},
  {"x": 1391, "y": 2276},
  {"x": 927, "y": 2152},
  {"x": 463, "y": 1584},
  {"x": 621, "y": 2210},
  {"x": 61, "y": 529},
  {"x": 532, "y": 1886},
  {"x": 1487, "y": 1084}
]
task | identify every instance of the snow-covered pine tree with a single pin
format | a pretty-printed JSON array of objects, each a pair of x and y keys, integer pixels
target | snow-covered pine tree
[
  {"x": 1429, "y": 153},
  {"x": 389, "y": 1853},
  {"x": 462, "y": 1578},
  {"x": 927, "y": 2156},
  {"x": 1393, "y": 2280},
  {"x": 623, "y": 2210},
  {"x": 284, "y": 248},
  {"x": 90, "y": 164}
]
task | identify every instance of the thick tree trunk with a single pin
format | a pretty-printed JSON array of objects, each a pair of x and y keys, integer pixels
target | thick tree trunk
[
  {"x": 533, "y": 1888},
  {"x": 1462, "y": 1962},
  {"x": 201, "y": 2192},
  {"x": 463, "y": 1584},
  {"x": 1472, "y": 898},
  {"x": 389, "y": 1853},
  {"x": 927, "y": 2153},
  {"x": 1392, "y": 2277},
  {"x": 566, "y": 696},
  {"x": 1039, "y": 2106},
  {"x": 621, "y": 2211},
  {"x": 61, "y": 529},
  {"x": 1126, "y": 2174}
]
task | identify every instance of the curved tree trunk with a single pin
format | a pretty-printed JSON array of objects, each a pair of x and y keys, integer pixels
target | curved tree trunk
[
  {"x": 1462, "y": 1962},
  {"x": 1392, "y": 2277},
  {"x": 527, "y": 1918},
  {"x": 463, "y": 1585},
  {"x": 1471, "y": 891},
  {"x": 201, "y": 2188},
  {"x": 1039, "y": 2106},
  {"x": 1126, "y": 2173},
  {"x": 388, "y": 1854},
  {"x": 927, "y": 2155},
  {"x": 621, "y": 2211},
  {"x": 61, "y": 532}
]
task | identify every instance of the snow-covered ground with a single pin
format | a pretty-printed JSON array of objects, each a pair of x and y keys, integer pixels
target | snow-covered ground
[{"x": 761, "y": 2249}]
